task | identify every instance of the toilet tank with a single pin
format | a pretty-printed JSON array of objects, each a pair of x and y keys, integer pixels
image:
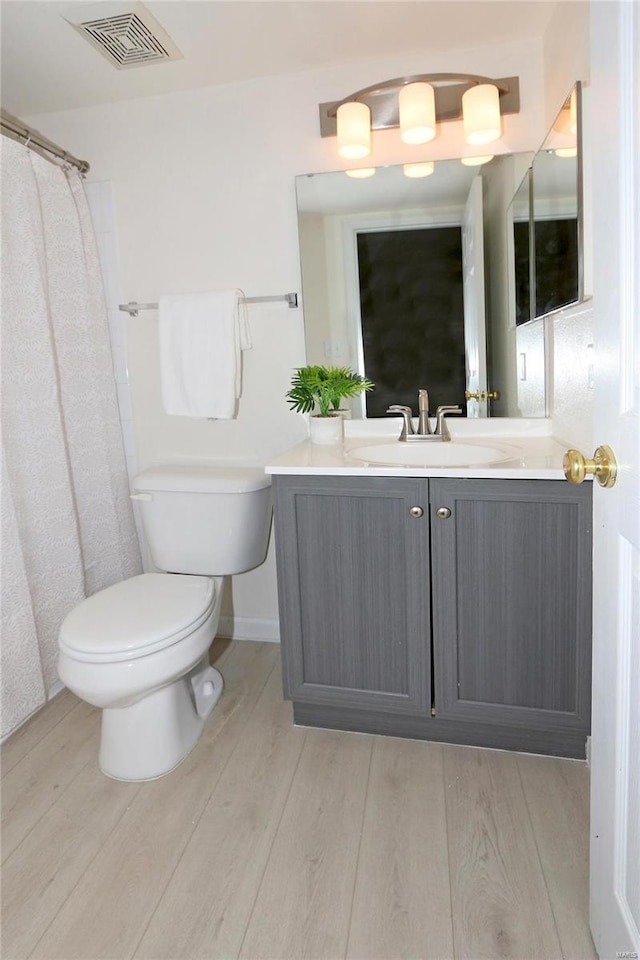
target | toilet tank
[{"x": 207, "y": 520}]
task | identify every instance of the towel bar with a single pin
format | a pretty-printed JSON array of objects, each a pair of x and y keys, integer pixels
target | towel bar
[{"x": 132, "y": 307}]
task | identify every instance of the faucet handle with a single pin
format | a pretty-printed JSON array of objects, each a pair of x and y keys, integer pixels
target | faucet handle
[
  {"x": 406, "y": 413},
  {"x": 448, "y": 409},
  {"x": 442, "y": 430}
]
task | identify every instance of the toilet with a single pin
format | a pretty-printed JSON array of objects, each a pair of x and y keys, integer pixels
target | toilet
[{"x": 138, "y": 650}]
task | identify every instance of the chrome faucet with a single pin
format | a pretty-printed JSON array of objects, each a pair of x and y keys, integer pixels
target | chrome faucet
[
  {"x": 424, "y": 427},
  {"x": 424, "y": 432}
]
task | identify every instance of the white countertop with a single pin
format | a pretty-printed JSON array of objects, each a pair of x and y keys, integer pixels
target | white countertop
[{"x": 528, "y": 451}]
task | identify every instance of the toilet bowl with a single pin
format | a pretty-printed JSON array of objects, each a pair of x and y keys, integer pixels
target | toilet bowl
[{"x": 138, "y": 650}]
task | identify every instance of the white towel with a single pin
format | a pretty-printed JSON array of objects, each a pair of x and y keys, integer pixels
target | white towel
[{"x": 202, "y": 336}]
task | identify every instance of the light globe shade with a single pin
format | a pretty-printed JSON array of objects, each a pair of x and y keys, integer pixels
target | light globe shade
[
  {"x": 354, "y": 130},
  {"x": 417, "y": 107},
  {"x": 481, "y": 114},
  {"x": 476, "y": 161},
  {"x": 423, "y": 169},
  {"x": 566, "y": 152},
  {"x": 362, "y": 173}
]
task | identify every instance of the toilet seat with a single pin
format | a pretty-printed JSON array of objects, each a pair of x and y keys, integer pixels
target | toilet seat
[{"x": 137, "y": 617}]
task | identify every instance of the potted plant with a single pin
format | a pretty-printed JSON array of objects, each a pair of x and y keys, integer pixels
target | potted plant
[{"x": 324, "y": 388}]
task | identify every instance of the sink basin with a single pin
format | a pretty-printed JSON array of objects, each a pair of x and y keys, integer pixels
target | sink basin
[{"x": 449, "y": 454}]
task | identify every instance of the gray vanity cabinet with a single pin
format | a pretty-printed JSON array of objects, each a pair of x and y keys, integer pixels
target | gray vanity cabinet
[
  {"x": 512, "y": 602},
  {"x": 353, "y": 581},
  {"x": 442, "y": 609}
]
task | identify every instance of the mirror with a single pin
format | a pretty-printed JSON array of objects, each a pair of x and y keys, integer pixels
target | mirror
[
  {"x": 546, "y": 257},
  {"x": 557, "y": 213},
  {"x": 546, "y": 263},
  {"x": 405, "y": 279},
  {"x": 439, "y": 280}
]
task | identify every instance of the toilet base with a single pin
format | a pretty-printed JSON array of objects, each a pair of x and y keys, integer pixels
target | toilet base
[{"x": 151, "y": 737}]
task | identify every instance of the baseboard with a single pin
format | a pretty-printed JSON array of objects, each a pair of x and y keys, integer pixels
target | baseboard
[
  {"x": 57, "y": 687},
  {"x": 54, "y": 690},
  {"x": 249, "y": 628}
]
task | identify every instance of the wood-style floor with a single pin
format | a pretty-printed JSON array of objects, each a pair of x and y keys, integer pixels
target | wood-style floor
[{"x": 280, "y": 842}]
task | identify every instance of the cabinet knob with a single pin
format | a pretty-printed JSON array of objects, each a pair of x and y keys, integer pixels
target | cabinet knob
[
  {"x": 443, "y": 512},
  {"x": 416, "y": 511}
]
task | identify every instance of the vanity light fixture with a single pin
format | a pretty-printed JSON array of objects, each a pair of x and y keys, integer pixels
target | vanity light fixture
[
  {"x": 423, "y": 169},
  {"x": 475, "y": 161},
  {"x": 481, "y": 114},
  {"x": 361, "y": 173},
  {"x": 354, "y": 130},
  {"x": 417, "y": 113},
  {"x": 417, "y": 104}
]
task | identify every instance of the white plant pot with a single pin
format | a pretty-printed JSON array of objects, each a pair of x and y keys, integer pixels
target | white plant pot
[{"x": 326, "y": 430}]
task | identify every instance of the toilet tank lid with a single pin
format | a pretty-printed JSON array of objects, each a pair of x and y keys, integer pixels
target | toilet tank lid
[{"x": 201, "y": 479}]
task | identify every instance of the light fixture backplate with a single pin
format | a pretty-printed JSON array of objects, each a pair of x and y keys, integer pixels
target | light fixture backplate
[{"x": 384, "y": 105}]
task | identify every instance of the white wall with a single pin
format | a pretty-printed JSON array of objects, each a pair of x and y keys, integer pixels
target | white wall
[
  {"x": 572, "y": 352},
  {"x": 573, "y": 359},
  {"x": 204, "y": 193},
  {"x": 566, "y": 50}
]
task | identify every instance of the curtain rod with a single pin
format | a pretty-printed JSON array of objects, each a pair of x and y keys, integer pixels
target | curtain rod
[
  {"x": 132, "y": 307},
  {"x": 13, "y": 127}
]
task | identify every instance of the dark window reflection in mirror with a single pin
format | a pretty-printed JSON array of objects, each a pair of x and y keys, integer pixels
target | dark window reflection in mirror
[
  {"x": 521, "y": 256},
  {"x": 520, "y": 214},
  {"x": 556, "y": 264},
  {"x": 412, "y": 315}
]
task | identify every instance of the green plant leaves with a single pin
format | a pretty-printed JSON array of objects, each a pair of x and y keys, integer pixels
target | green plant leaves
[{"x": 325, "y": 387}]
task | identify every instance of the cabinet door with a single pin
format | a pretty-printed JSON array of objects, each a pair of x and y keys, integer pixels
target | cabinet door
[
  {"x": 512, "y": 602},
  {"x": 353, "y": 586}
]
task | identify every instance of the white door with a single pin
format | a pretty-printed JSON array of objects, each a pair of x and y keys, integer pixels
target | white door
[
  {"x": 475, "y": 347},
  {"x": 615, "y": 757}
]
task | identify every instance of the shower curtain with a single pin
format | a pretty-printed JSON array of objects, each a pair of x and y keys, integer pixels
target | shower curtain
[{"x": 67, "y": 523}]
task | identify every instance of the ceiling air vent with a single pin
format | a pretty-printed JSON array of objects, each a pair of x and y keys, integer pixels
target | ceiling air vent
[{"x": 125, "y": 33}]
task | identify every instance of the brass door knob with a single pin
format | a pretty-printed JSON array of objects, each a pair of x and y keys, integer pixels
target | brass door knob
[
  {"x": 482, "y": 395},
  {"x": 603, "y": 466}
]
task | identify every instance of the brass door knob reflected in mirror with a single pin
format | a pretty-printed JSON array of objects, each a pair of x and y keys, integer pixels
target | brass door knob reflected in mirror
[
  {"x": 482, "y": 395},
  {"x": 603, "y": 466}
]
